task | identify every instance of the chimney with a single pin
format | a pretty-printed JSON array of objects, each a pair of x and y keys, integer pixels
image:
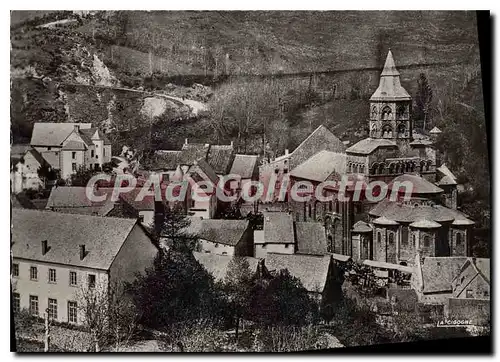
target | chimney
[
  {"x": 286, "y": 152},
  {"x": 77, "y": 128},
  {"x": 82, "y": 251},
  {"x": 232, "y": 144},
  {"x": 185, "y": 141},
  {"x": 45, "y": 247}
]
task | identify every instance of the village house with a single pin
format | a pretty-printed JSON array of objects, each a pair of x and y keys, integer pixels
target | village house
[
  {"x": 70, "y": 146},
  {"x": 460, "y": 284},
  {"x": 56, "y": 255},
  {"x": 316, "y": 273},
  {"x": 24, "y": 174},
  {"x": 217, "y": 265},
  {"x": 223, "y": 237}
]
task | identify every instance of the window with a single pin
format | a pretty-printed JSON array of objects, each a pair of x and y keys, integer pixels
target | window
[
  {"x": 73, "y": 166},
  {"x": 49, "y": 148},
  {"x": 91, "y": 153},
  {"x": 96, "y": 166},
  {"x": 73, "y": 155},
  {"x": 276, "y": 170},
  {"x": 17, "y": 302},
  {"x": 309, "y": 210},
  {"x": 216, "y": 245},
  {"x": 427, "y": 241},
  {"x": 33, "y": 305},
  {"x": 486, "y": 293},
  {"x": 414, "y": 239},
  {"x": 52, "y": 276},
  {"x": 391, "y": 238},
  {"x": 192, "y": 204},
  {"x": 33, "y": 273},
  {"x": 379, "y": 238},
  {"x": 91, "y": 280},
  {"x": 224, "y": 253},
  {"x": 72, "y": 278},
  {"x": 459, "y": 238},
  {"x": 285, "y": 170},
  {"x": 104, "y": 151},
  {"x": 263, "y": 246},
  {"x": 52, "y": 309},
  {"x": 72, "y": 312},
  {"x": 469, "y": 294},
  {"x": 141, "y": 218},
  {"x": 15, "y": 270},
  {"x": 287, "y": 245}
]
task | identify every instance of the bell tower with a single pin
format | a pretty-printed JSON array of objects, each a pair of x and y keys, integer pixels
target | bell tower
[{"x": 390, "y": 106}]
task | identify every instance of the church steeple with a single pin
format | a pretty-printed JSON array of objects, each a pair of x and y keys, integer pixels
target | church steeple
[{"x": 390, "y": 105}]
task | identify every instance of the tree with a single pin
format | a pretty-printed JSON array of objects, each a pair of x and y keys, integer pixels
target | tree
[
  {"x": 174, "y": 230},
  {"x": 46, "y": 173},
  {"x": 108, "y": 315},
  {"x": 175, "y": 289},
  {"x": 237, "y": 286},
  {"x": 282, "y": 301},
  {"x": 423, "y": 100},
  {"x": 82, "y": 176}
]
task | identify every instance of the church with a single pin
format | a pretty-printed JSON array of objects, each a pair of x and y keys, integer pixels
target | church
[{"x": 425, "y": 224}]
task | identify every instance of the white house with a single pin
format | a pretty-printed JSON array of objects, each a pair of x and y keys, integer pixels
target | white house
[
  {"x": 69, "y": 146},
  {"x": 24, "y": 172},
  {"x": 55, "y": 255}
]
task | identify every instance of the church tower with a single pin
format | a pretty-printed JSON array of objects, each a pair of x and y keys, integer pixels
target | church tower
[{"x": 390, "y": 106}]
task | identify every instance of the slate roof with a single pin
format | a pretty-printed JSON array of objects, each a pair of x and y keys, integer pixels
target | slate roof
[
  {"x": 439, "y": 272},
  {"x": 320, "y": 166},
  {"x": 102, "y": 236},
  {"x": 192, "y": 152},
  {"x": 88, "y": 133},
  {"x": 207, "y": 170},
  {"x": 448, "y": 177},
  {"x": 74, "y": 197},
  {"x": 220, "y": 158},
  {"x": 384, "y": 221},
  {"x": 420, "y": 185},
  {"x": 311, "y": 270},
  {"x": 483, "y": 266},
  {"x": 368, "y": 145},
  {"x": 425, "y": 224},
  {"x": 165, "y": 160},
  {"x": 278, "y": 228},
  {"x": 310, "y": 238},
  {"x": 74, "y": 145},
  {"x": 406, "y": 213},
  {"x": 435, "y": 130},
  {"x": 52, "y": 157},
  {"x": 227, "y": 232},
  {"x": 217, "y": 265},
  {"x": 463, "y": 221},
  {"x": 361, "y": 227},
  {"x": 384, "y": 265},
  {"x": 244, "y": 165},
  {"x": 147, "y": 202},
  {"x": 53, "y": 134},
  {"x": 390, "y": 88},
  {"x": 320, "y": 139}
]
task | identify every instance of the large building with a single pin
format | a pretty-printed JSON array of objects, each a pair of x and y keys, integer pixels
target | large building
[
  {"x": 70, "y": 146},
  {"x": 56, "y": 256}
]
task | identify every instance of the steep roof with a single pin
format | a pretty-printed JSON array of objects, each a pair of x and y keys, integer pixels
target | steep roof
[
  {"x": 390, "y": 88},
  {"x": 439, "y": 272},
  {"x": 131, "y": 198},
  {"x": 75, "y": 145},
  {"x": 310, "y": 238},
  {"x": 222, "y": 231},
  {"x": 52, "y": 157},
  {"x": 368, "y": 145},
  {"x": 448, "y": 178},
  {"x": 403, "y": 212},
  {"x": 217, "y": 265},
  {"x": 102, "y": 236},
  {"x": 320, "y": 139},
  {"x": 192, "y": 152},
  {"x": 435, "y": 130},
  {"x": 320, "y": 166},
  {"x": 53, "y": 134},
  {"x": 165, "y": 160},
  {"x": 88, "y": 133},
  {"x": 311, "y": 270},
  {"x": 207, "y": 170},
  {"x": 420, "y": 184},
  {"x": 278, "y": 228},
  {"x": 220, "y": 158},
  {"x": 244, "y": 165},
  {"x": 483, "y": 266}
]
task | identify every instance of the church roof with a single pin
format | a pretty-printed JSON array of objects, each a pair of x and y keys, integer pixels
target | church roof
[
  {"x": 390, "y": 88},
  {"x": 403, "y": 212},
  {"x": 420, "y": 185},
  {"x": 362, "y": 227},
  {"x": 384, "y": 221},
  {"x": 320, "y": 166},
  {"x": 463, "y": 221},
  {"x": 425, "y": 224},
  {"x": 368, "y": 145}
]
